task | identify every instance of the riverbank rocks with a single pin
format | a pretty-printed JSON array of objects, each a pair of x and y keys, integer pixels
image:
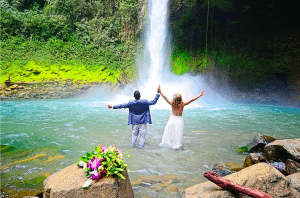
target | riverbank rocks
[
  {"x": 284, "y": 155},
  {"x": 170, "y": 185},
  {"x": 226, "y": 168},
  {"x": 254, "y": 158},
  {"x": 41, "y": 90},
  {"x": 283, "y": 150},
  {"x": 260, "y": 176},
  {"x": 259, "y": 142},
  {"x": 292, "y": 167},
  {"x": 294, "y": 179},
  {"x": 68, "y": 182}
]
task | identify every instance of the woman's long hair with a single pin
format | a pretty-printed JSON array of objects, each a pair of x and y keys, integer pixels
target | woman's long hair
[{"x": 177, "y": 99}]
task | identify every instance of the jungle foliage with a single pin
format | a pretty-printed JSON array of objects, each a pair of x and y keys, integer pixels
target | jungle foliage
[
  {"x": 95, "y": 40},
  {"x": 245, "y": 38}
]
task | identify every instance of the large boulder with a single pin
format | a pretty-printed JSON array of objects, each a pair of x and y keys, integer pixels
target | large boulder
[
  {"x": 68, "y": 182},
  {"x": 294, "y": 179},
  {"x": 260, "y": 176},
  {"x": 281, "y": 150}
]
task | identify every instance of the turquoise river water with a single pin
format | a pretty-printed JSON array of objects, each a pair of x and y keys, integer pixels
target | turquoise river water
[{"x": 71, "y": 127}]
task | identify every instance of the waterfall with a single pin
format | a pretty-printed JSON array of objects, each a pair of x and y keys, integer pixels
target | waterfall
[
  {"x": 154, "y": 65},
  {"x": 156, "y": 43}
]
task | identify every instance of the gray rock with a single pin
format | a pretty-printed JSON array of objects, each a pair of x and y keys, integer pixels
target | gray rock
[
  {"x": 259, "y": 142},
  {"x": 292, "y": 167},
  {"x": 21, "y": 95},
  {"x": 31, "y": 197},
  {"x": 222, "y": 169},
  {"x": 254, "y": 158},
  {"x": 294, "y": 179},
  {"x": 281, "y": 150},
  {"x": 27, "y": 96}
]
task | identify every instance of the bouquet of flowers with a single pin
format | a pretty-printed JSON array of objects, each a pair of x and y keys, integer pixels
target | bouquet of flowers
[{"x": 103, "y": 161}]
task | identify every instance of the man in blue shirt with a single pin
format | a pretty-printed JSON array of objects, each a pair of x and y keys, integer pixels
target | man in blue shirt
[{"x": 139, "y": 116}]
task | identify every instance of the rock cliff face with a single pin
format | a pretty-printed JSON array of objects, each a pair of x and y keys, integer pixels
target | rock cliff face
[{"x": 68, "y": 182}]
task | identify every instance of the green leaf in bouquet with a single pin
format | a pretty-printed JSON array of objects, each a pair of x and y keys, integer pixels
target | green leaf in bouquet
[
  {"x": 121, "y": 176},
  {"x": 84, "y": 159},
  {"x": 88, "y": 174},
  {"x": 88, "y": 155},
  {"x": 98, "y": 149}
]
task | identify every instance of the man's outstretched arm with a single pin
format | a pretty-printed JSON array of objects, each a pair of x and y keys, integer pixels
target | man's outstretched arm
[
  {"x": 154, "y": 101},
  {"x": 120, "y": 106}
]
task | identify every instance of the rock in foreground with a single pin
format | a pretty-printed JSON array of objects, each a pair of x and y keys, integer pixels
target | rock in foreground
[
  {"x": 68, "y": 182},
  {"x": 283, "y": 150},
  {"x": 260, "y": 176}
]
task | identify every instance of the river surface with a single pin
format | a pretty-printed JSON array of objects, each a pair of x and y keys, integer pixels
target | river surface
[{"x": 75, "y": 126}]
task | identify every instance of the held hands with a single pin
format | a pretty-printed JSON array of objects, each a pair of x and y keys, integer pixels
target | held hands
[
  {"x": 158, "y": 89},
  {"x": 109, "y": 106}
]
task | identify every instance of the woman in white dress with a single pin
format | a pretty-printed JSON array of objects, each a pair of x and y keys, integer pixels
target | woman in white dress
[{"x": 173, "y": 133}]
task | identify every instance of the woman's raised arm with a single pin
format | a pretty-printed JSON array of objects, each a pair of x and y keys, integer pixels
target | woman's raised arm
[
  {"x": 163, "y": 95},
  {"x": 192, "y": 100}
]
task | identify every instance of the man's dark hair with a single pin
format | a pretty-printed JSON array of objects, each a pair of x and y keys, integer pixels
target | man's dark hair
[{"x": 137, "y": 95}]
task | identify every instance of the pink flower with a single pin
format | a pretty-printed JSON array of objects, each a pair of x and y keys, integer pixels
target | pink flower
[
  {"x": 104, "y": 149},
  {"x": 94, "y": 174},
  {"x": 94, "y": 163}
]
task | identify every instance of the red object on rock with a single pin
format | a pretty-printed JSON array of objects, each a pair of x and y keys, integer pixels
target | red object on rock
[{"x": 229, "y": 185}]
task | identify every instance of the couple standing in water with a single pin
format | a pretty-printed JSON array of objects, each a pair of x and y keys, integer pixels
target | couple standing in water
[{"x": 139, "y": 116}]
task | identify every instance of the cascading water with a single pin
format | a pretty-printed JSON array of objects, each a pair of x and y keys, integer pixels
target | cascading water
[
  {"x": 155, "y": 65},
  {"x": 156, "y": 40},
  {"x": 157, "y": 59}
]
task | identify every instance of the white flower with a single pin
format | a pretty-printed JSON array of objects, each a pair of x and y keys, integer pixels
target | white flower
[
  {"x": 88, "y": 183},
  {"x": 81, "y": 163}
]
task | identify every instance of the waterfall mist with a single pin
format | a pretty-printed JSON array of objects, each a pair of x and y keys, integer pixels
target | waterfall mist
[{"x": 154, "y": 67}]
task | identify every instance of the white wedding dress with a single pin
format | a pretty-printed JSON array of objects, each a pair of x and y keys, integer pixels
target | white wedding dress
[{"x": 173, "y": 133}]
